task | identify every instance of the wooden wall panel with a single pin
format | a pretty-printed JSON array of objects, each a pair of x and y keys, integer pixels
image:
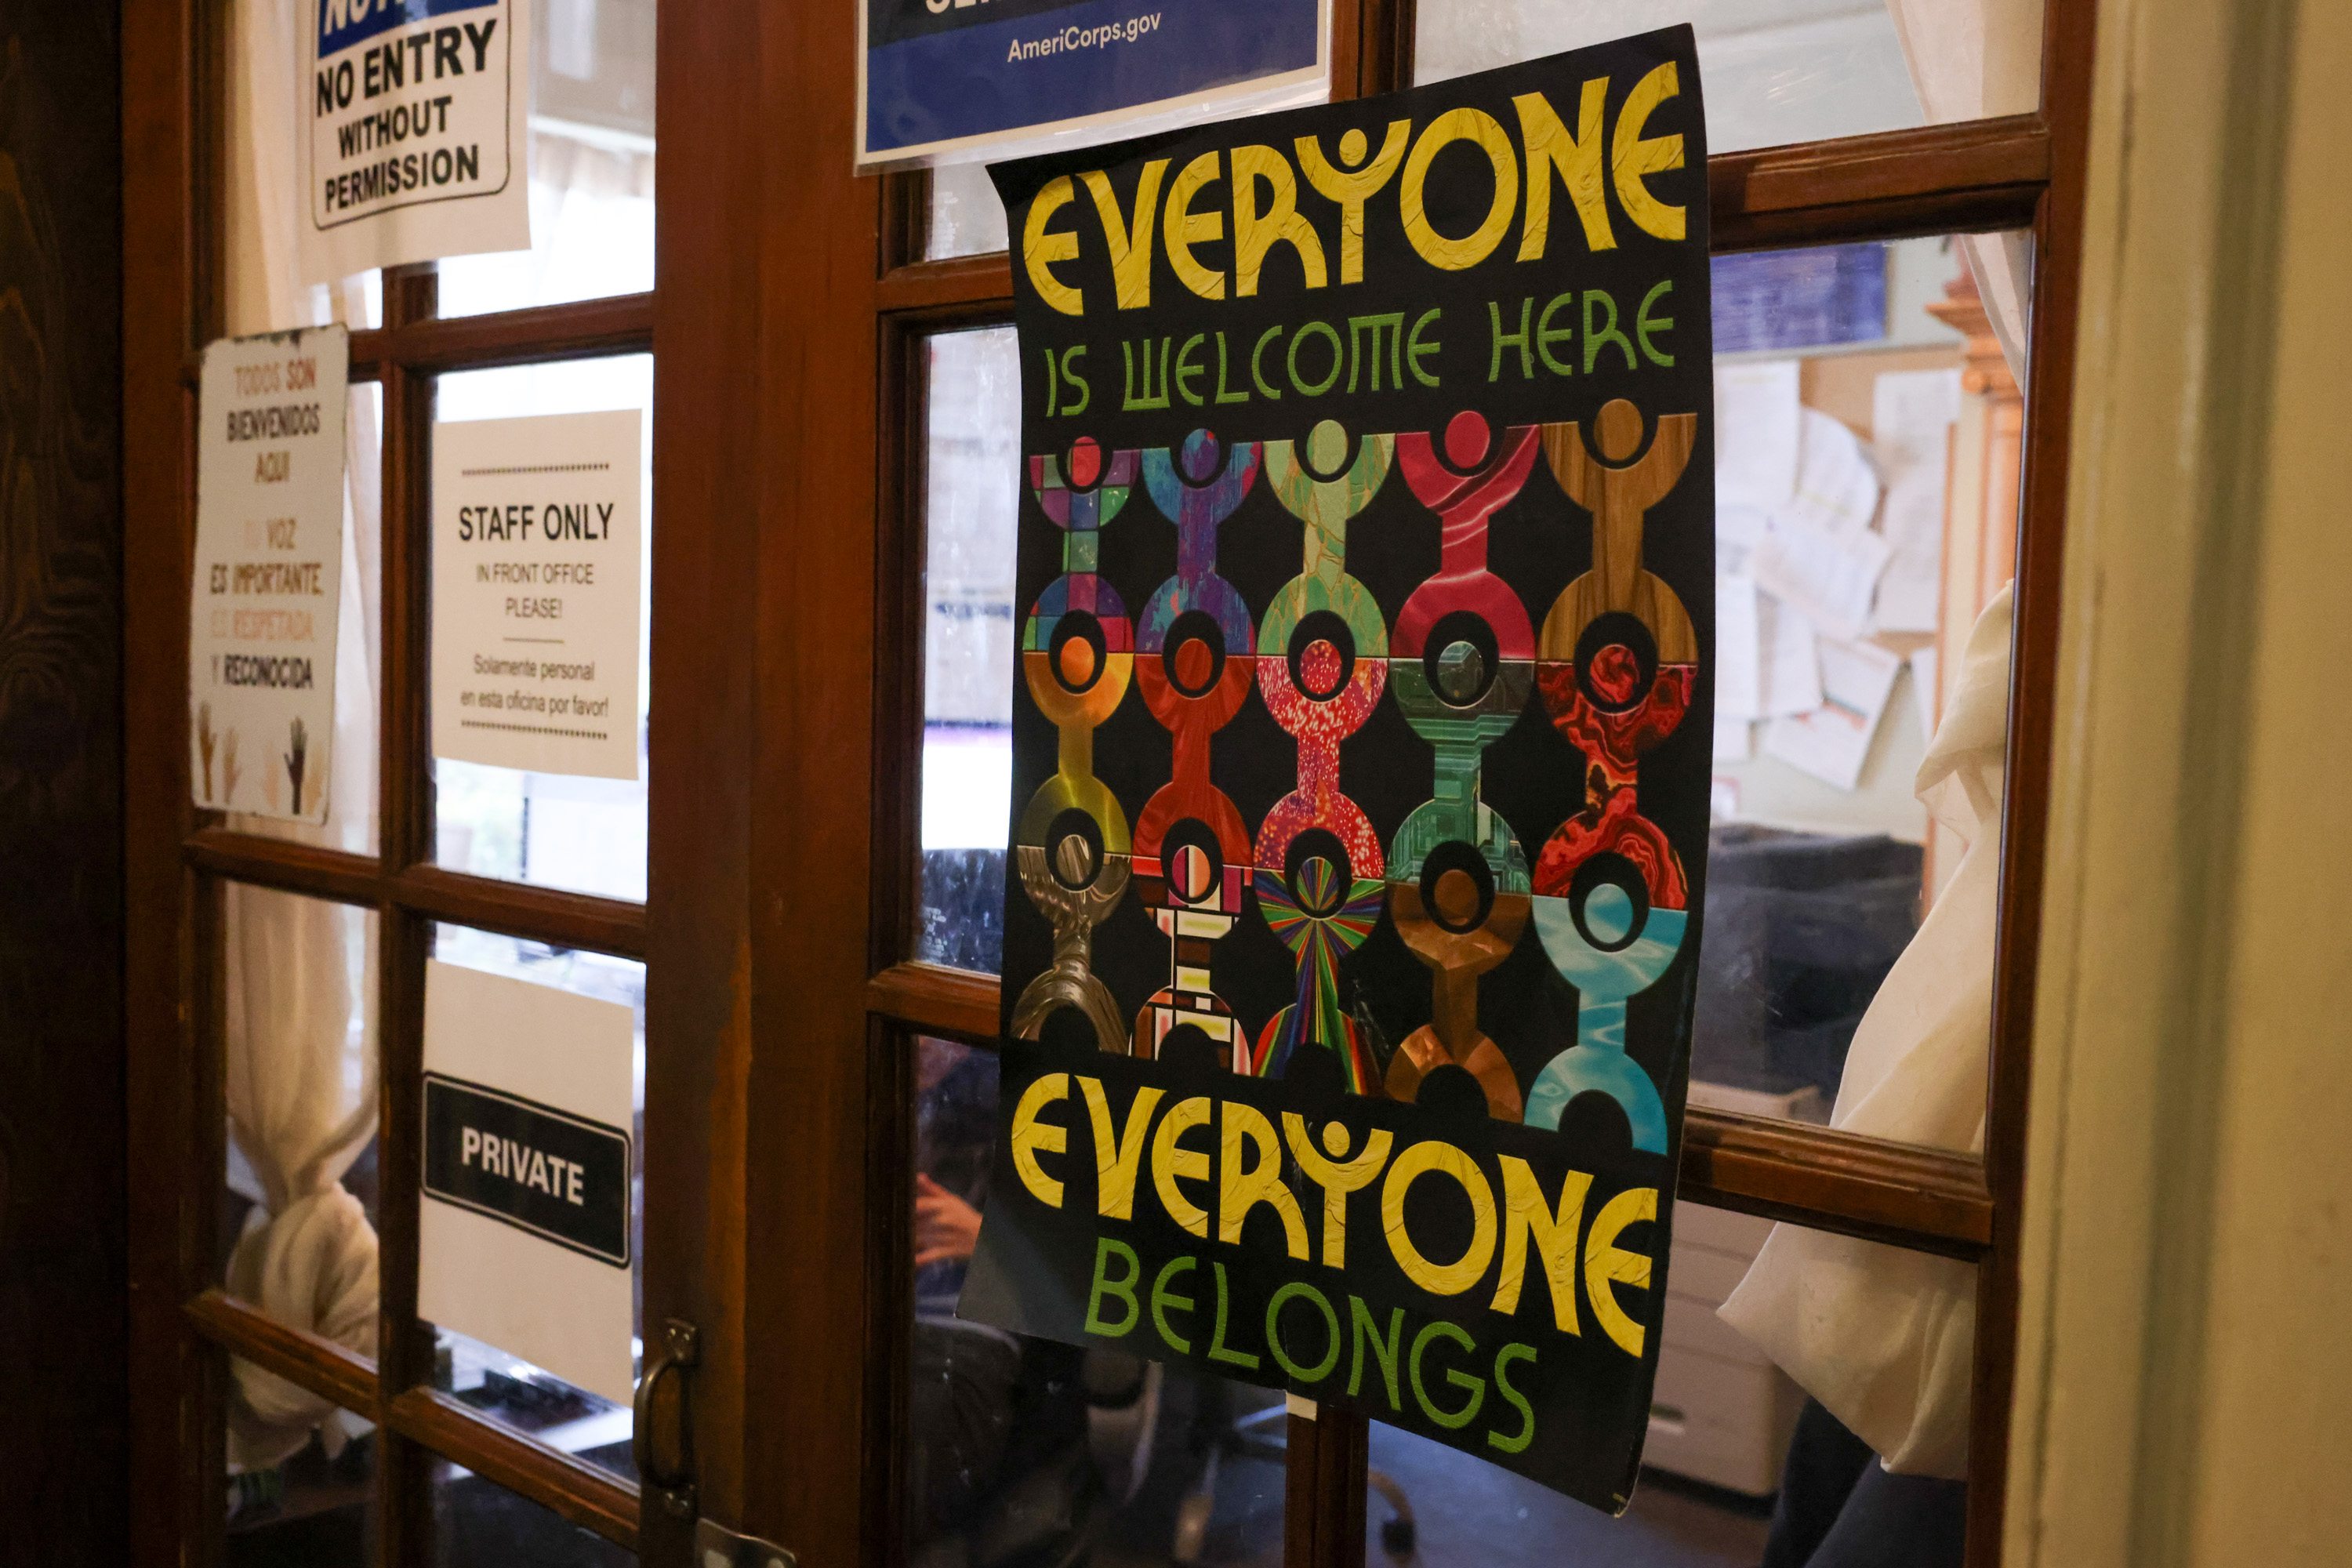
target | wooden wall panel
[
  {"x": 167, "y": 306},
  {"x": 63, "y": 1325}
]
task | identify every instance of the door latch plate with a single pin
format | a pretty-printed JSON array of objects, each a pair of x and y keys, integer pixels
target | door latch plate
[{"x": 716, "y": 1546}]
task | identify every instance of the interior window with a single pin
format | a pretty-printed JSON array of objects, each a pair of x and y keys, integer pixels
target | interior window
[
  {"x": 1778, "y": 70},
  {"x": 592, "y": 166},
  {"x": 583, "y": 835}
]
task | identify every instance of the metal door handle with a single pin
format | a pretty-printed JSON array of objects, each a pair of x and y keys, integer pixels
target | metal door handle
[{"x": 681, "y": 1348}]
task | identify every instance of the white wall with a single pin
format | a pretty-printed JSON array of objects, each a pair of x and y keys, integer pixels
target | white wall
[{"x": 2184, "y": 1376}]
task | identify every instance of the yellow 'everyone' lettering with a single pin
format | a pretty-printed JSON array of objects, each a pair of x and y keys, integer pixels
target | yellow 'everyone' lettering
[
  {"x": 1607, "y": 1265},
  {"x": 1040, "y": 250},
  {"x": 1576, "y": 158},
  {"x": 1337, "y": 1176},
  {"x": 1032, "y": 1137},
  {"x": 1116, "y": 1158},
  {"x": 1526, "y": 1214},
  {"x": 1440, "y": 1159},
  {"x": 1186, "y": 228},
  {"x": 1352, "y": 187},
  {"x": 1256, "y": 232},
  {"x": 1631, "y": 155},
  {"x": 1130, "y": 247},
  {"x": 1171, "y": 1164},
  {"x": 1481, "y": 129},
  {"x": 1244, "y": 1183}
]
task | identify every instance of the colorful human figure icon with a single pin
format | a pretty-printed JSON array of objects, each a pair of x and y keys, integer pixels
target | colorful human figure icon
[
  {"x": 1197, "y": 646},
  {"x": 1619, "y": 657},
  {"x": 1462, "y": 666},
  {"x": 1322, "y": 664},
  {"x": 1071, "y": 845},
  {"x": 1618, "y": 663}
]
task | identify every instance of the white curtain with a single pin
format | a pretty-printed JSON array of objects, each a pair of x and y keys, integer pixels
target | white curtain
[
  {"x": 1975, "y": 59},
  {"x": 300, "y": 1083},
  {"x": 1880, "y": 1335}
]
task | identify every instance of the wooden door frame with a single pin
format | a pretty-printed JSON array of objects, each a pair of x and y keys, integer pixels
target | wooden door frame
[
  {"x": 2022, "y": 172},
  {"x": 170, "y": 303},
  {"x": 177, "y": 860}
]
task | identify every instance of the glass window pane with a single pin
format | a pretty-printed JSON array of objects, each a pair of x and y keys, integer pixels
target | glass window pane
[
  {"x": 504, "y": 1386},
  {"x": 262, "y": 293},
  {"x": 1778, "y": 70},
  {"x": 534, "y": 1400},
  {"x": 1866, "y": 416},
  {"x": 585, "y": 835},
  {"x": 298, "y": 1238},
  {"x": 351, "y": 771},
  {"x": 1435, "y": 1505},
  {"x": 592, "y": 166},
  {"x": 313, "y": 1507},
  {"x": 966, "y": 218},
  {"x": 1737, "y": 1454},
  {"x": 970, "y": 497},
  {"x": 480, "y": 1524},
  {"x": 1027, "y": 1451}
]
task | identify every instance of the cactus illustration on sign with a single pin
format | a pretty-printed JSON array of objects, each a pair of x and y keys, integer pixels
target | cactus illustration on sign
[
  {"x": 297, "y": 758},
  {"x": 205, "y": 739}
]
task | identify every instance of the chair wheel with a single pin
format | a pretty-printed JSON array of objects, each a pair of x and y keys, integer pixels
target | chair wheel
[{"x": 1397, "y": 1537}]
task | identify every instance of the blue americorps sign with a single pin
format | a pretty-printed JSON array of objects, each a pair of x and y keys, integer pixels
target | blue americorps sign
[{"x": 946, "y": 75}]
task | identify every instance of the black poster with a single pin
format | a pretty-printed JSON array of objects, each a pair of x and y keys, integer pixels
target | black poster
[{"x": 1361, "y": 744}]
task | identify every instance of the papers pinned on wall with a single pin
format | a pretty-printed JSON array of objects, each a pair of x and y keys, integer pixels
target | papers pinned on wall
[
  {"x": 1765, "y": 663},
  {"x": 1815, "y": 555},
  {"x": 1828, "y": 577},
  {"x": 1756, "y": 434},
  {"x": 1911, "y": 418},
  {"x": 1837, "y": 490},
  {"x": 1832, "y": 741}
]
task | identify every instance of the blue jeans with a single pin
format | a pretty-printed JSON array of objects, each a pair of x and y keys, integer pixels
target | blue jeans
[{"x": 1838, "y": 1507}]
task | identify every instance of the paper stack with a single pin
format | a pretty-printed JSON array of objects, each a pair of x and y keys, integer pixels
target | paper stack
[{"x": 1808, "y": 567}]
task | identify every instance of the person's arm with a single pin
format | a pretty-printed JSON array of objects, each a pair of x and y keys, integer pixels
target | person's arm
[{"x": 947, "y": 1229}]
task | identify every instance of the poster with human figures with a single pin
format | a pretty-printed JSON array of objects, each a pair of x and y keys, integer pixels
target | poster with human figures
[{"x": 1361, "y": 744}]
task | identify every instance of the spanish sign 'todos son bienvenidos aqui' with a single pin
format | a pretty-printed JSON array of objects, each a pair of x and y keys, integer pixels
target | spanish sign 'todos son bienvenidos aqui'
[{"x": 263, "y": 612}]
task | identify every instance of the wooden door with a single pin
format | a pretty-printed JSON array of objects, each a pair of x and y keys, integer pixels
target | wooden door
[{"x": 788, "y": 992}]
